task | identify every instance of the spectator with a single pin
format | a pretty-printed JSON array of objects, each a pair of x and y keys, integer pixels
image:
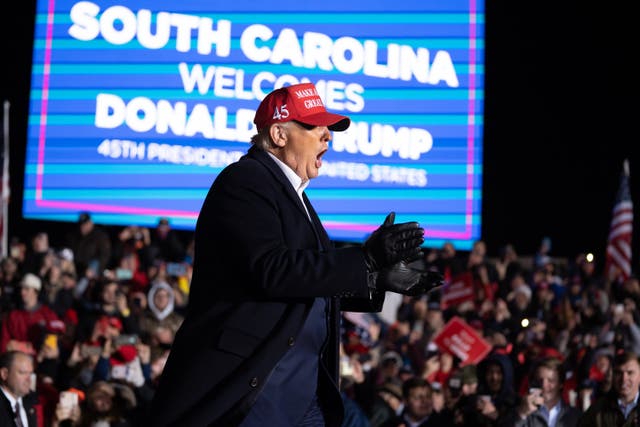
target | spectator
[
  {"x": 484, "y": 272},
  {"x": 465, "y": 380},
  {"x": 446, "y": 261},
  {"x": 496, "y": 387},
  {"x": 543, "y": 405},
  {"x": 388, "y": 402},
  {"x": 619, "y": 407},
  {"x": 542, "y": 256},
  {"x": 160, "y": 310},
  {"x": 91, "y": 247},
  {"x": 107, "y": 405},
  {"x": 351, "y": 374},
  {"x": 507, "y": 266},
  {"x": 418, "y": 410},
  {"x": 9, "y": 284},
  {"x": 134, "y": 240},
  {"x": 17, "y": 399},
  {"x": 166, "y": 244},
  {"x": 110, "y": 302},
  {"x": 38, "y": 250},
  {"x": 24, "y": 328}
]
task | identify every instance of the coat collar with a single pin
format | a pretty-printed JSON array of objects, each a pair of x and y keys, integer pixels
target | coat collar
[{"x": 264, "y": 158}]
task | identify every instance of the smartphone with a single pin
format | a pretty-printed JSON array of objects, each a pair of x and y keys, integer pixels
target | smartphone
[
  {"x": 51, "y": 340},
  {"x": 123, "y": 274},
  {"x": 90, "y": 350},
  {"x": 176, "y": 269},
  {"x": 68, "y": 399},
  {"x": 536, "y": 392},
  {"x": 346, "y": 369},
  {"x": 121, "y": 340},
  {"x": 484, "y": 398}
]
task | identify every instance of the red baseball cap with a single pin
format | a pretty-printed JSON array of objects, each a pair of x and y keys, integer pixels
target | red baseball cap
[{"x": 301, "y": 103}]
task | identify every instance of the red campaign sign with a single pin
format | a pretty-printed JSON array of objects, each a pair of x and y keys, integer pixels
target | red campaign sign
[
  {"x": 459, "y": 290},
  {"x": 461, "y": 340}
]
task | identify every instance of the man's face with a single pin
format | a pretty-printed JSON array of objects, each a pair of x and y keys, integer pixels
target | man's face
[
  {"x": 626, "y": 380},
  {"x": 29, "y": 297},
  {"x": 304, "y": 148},
  {"x": 161, "y": 299},
  {"x": 494, "y": 377},
  {"x": 419, "y": 402},
  {"x": 109, "y": 293},
  {"x": 17, "y": 378},
  {"x": 86, "y": 227},
  {"x": 469, "y": 388},
  {"x": 550, "y": 382},
  {"x": 101, "y": 402}
]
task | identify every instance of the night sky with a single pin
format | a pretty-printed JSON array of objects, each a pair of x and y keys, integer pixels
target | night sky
[{"x": 561, "y": 115}]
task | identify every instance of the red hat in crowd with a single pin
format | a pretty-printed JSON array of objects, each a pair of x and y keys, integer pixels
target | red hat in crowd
[
  {"x": 125, "y": 354},
  {"x": 301, "y": 103},
  {"x": 56, "y": 326},
  {"x": 110, "y": 321}
]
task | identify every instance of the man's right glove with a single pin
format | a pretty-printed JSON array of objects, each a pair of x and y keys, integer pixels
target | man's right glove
[
  {"x": 391, "y": 243},
  {"x": 403, "y": 279}
]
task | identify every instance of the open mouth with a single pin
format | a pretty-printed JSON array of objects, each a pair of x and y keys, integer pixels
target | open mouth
[{"x": 319, "y": 158}]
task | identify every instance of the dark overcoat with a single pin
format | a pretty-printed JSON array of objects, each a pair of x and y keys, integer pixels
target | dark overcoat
[
  {"x": 259, "y": 263},
  {"x": 7, "y": 412}
]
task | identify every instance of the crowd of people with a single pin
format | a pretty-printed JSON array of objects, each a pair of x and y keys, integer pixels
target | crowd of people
[{"x": 86, "y": 328}]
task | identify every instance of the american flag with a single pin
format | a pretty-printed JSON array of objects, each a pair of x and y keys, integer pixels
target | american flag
[{"x": 618, "y": 262}]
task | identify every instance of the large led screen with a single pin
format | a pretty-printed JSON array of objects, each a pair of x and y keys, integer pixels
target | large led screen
[{"x": 136, "y": 106}]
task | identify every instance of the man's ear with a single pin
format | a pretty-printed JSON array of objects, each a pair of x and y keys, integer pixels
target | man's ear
[
  {"x": 4, "y": 374},
  {"x": 278, "y": 134}
]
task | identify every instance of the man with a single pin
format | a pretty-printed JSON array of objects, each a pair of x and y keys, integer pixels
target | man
[
  {"x": 165, "y": 243},
  {"x": 543, "y": 405},
  {"x": 16, "y": 406},
  {"x": 259, "y": 342},
  {"x": 620, "y": 406},
  {"x": 111, "y": 304},
  {"x": 418, "y": 407},
  {"x": 91, "y": 246},
  {"x": 24, "y": 328}
]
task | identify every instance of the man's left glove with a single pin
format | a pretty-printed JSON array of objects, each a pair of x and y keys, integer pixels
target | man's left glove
[{"x": 403, "y": 279}]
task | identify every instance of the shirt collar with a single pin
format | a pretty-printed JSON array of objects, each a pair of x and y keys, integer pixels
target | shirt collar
[
  {"x": 293, "y": 178},
  {"x": 10, "y": 398},
  {"x": 630, "y": 405},
  {"x": 554, "y": 408}
]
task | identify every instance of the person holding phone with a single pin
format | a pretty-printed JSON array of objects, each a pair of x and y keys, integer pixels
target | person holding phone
[
  {"x": 259, "y": 342},
  {"x": 543, "y": 406},
  {"x": 67, "y": 412}
]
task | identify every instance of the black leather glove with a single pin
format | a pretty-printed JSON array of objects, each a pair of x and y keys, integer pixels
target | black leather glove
[
  {"x": 403, "y": 279},
  {"x": 391, "y": 243}
]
